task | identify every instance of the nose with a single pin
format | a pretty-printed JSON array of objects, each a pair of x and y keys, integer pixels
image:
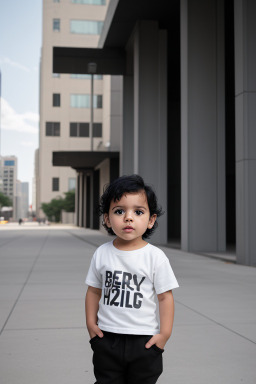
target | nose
[{"x": 128, "y": 216}]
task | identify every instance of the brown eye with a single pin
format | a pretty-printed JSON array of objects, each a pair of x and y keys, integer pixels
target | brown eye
[{"x": 119, "y": 211}]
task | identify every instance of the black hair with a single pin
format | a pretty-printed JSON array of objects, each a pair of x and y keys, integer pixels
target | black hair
[{"x": 129, "y": 184}]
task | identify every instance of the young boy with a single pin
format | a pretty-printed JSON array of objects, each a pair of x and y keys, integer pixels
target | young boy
[{"x": 124, "y": 278}]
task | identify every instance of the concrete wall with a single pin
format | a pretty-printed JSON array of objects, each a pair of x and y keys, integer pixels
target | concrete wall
[
  {"x": 245, "y": 98},
  {"x": 202, "y": 125},
  {"x": 144, "y": 139}
]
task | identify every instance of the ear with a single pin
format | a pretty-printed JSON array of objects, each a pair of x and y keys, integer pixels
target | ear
[
  {"x": 151, "y": 221},
  {"x": 106, "y": 220}
]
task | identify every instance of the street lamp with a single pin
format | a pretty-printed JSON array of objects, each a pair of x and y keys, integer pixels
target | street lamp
[{"x": 91, "y": 69}]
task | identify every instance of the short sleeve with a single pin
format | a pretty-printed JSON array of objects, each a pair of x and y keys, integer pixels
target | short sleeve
[
  {"x": 93, "y": 277},
  {"x": 164, "y": 279}
]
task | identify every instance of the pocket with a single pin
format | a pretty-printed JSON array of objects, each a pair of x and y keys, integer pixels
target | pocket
[
  {"x": 156, "y": 348},
  {"x": 93, "y": 339}
]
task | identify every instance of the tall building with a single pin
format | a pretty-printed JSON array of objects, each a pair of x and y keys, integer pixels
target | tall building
[
  {"x": 8, "y": 172},
  {"x": 68, "y": 124},
  {"x": 189, "y": 91},
  {"x": 24, "y": 200}
]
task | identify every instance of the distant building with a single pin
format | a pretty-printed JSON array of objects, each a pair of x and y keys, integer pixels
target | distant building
[
  {"x": 24, "y": 200},
  {"x": 9, "y": 166},
  {"x": 66, "y": 114},
  {"x": 35, "y": 184}
]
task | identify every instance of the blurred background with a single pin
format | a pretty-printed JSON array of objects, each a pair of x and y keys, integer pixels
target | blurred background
[{"x": 92, "y": 89}]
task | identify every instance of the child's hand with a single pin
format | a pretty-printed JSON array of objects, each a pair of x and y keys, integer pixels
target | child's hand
[
  {"x": 159, "y": 340},
  {"x": 95, "y": 331}
]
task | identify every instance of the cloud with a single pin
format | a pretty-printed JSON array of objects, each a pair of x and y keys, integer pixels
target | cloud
[
  {"x": 27, "y": 144},
  {"x": 19, "y": 122},
  {"x": 12, "y": 63}
]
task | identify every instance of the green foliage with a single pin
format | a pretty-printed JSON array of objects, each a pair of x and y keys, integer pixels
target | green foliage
[
  {"x": 5, "y": 201},
  {"x": 53, "y": 209},
  {"x": 69, "y": 201}
]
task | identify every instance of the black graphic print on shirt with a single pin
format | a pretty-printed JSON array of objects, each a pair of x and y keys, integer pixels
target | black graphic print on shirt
[{"x": 123, "y": 289}]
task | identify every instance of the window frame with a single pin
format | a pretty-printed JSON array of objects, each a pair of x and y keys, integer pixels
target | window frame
[
  {"x": 55, "y": 184},
  {"x": 52, "y": 127}
]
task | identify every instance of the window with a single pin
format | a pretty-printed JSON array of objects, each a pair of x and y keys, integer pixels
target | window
[
  {"x": 52, "y": 129},
  {"x": 9, "y": 163},
  {"x": 87, "y": 27},
  {"x": 71, "y": 183},
  {"x": 97, "y": 129},
  {"x": 56, "y": 100},
  {"x": 82, "y": 76},
  {"x": 56, "y": 25},
  {"x": 55, "y": 184},
  {"x": 80, "y": 101},
  {"x": 92, "y": 2},
  {"x": 97, "y": 101},
  {"x": 84, "y": 101},
  {"x": 79, "y": 129}
]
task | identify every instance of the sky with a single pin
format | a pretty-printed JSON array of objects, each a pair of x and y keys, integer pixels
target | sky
[{"x": 20, "y": 46}]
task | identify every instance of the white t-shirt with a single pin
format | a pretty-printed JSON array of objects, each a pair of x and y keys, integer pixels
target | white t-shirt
[{"x": 130, "y": 281}]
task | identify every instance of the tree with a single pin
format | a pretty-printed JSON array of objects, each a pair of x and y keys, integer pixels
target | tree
[
  {"x": 53, "y": 209},
  {"x": 5, "y": 201},
  {"x": 69, "y": 201}
]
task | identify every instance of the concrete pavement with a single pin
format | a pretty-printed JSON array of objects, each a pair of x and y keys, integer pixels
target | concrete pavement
[{"x": 43, "y": 338}]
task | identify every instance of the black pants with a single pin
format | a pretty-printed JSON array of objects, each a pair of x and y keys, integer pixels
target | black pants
[{"x": 123, "y": 359}]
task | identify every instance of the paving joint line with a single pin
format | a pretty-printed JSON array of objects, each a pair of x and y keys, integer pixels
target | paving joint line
[{"x": 215, "y": 322}]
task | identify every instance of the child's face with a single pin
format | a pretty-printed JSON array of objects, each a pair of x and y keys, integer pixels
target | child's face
[{"x": 129, "y": 217}]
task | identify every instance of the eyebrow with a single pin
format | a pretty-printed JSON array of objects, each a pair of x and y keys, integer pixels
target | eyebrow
[{"x": 135, "y": 207}]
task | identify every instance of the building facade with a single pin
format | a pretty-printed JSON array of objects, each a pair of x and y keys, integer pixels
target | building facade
[
  {"x": 68, "y": 123},
  {"x": 9, "y": 170},
  {"x": 189, "y": 102}
]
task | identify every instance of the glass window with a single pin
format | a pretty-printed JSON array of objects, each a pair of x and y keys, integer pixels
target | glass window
[
  {"x": 83, "y": 129},
  {"x": 84, "y": 101},
  {"x": 73, "y": 129},
  {"x": 55, "y": 183},
  {"x": 56, "y": 100},
  {"x": 56, "y": 25},
  {"x": 97, "y": 101},
  {"x": 92, "y": 2},
  {"x": 79, "y": 129},
  {"x": 97, "y": 129},
  {"x": 81, "y": 76},
  {"x": 9, "y": 163},
  {"x": 87, "y": 27},
  {"x": 52, "y": 128},
  {"x": 71, "y": 183},
  {"x": 80, "y": 101}
]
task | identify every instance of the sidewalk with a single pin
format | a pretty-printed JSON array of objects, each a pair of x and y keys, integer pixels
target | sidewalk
[{"x": 43, "y": 338}]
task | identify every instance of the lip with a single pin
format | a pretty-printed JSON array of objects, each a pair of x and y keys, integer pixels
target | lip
[{"x": 128, "y": 229}]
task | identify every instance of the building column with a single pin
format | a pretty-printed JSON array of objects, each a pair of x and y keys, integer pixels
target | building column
[
  {"x": 202, "y": 126},
  {"x": 245, "y": 102},
  {"x": 127, "y": 134},
  {"x": 81, "y": 199},
  {"x": 150, "y": 113}
]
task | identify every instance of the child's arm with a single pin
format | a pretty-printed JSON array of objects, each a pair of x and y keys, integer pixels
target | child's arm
[
  {"x": 166, "y": 312},
  {"x": 92, "y": 299}
]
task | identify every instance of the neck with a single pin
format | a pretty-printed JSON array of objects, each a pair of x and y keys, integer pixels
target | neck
[{"x": 126, "y": 245}]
